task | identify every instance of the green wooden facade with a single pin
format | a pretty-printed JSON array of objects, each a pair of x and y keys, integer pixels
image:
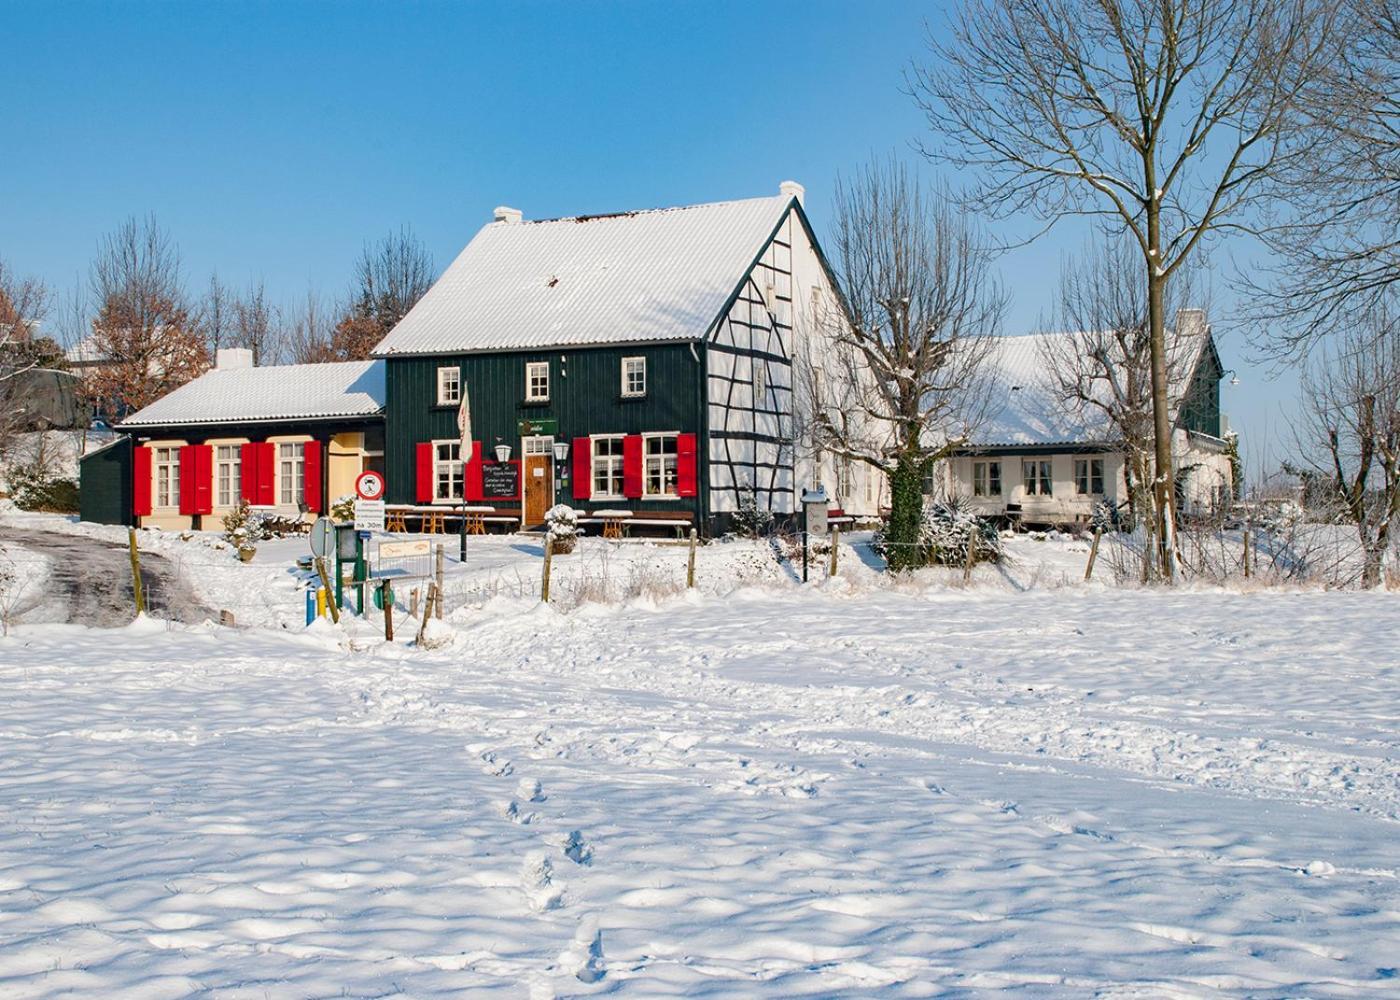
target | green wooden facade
[
  {"x": 1200, "y": 407},
  {"x": 585, "y": 397}
]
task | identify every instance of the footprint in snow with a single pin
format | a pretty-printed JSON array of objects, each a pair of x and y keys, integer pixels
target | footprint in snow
[
  {"x": 495, "y": 766},
  {"x": 530, "y": 790},
  {"x": 584, "y": 958},
  {"x": 538, "y": 884},
  {"x": 511, "y": 810},
  {"x": 574, "y": 848}
]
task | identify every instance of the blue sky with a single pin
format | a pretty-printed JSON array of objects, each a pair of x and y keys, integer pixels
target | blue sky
[{"x": 272, "y": 141}]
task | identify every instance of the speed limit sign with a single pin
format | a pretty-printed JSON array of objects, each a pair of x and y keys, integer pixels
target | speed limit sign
[{"x": 370, "y": 486}]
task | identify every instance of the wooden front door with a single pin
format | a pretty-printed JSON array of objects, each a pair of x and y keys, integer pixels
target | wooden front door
[{"x": 539, "y": 487}]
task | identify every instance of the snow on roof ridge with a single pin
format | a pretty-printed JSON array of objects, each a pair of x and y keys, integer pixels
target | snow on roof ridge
[{"x": 660, "y": 209}]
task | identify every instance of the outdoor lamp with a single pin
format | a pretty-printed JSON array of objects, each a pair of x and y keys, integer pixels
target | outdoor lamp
[
  {"x": 561, "y": 451},
  {"x": 503, "y": 453}
]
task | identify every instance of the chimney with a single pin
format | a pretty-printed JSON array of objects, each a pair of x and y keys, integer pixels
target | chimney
[
  {"x": 793, "y": 190},
  {"x": 504, "y": 213},
  {"x": 1191, "y": 322},
  {"x": 230, "y": 358}
]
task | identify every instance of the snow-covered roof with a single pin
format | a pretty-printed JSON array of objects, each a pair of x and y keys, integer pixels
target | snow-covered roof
[
  {"x": 85, "y": 351},
  {"x": 1025, "y": 410},
  {"x": 277, "y": 392},
  {"x": 662, "y": 274}
]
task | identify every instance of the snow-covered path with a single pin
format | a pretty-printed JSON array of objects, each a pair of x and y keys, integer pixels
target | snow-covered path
[{"x": 773, "y": 794}]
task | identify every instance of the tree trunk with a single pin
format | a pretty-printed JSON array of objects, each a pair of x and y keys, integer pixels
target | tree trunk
[
  {"x": 1371, "y": 568},
  {"x": 1161, "y": 416},
  {"x": 906, "y": 512}
]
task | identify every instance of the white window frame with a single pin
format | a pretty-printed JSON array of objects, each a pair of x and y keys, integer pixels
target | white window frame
[
  {"x": 611, "y": 461},
  {"x": 628, "y": 391},
  {"x": 449, "y": 377},
  {"x": 1037, "y": 477},
  {"x": 982, "y": 477},
  {"x": 228, "y": 475},
  {"x": 647, "y": 462},
  {"x": 165, "y": 467},
  {"x": 454, "y": 468},
  {"x": 532, "y": 372},
  {"x": 1088, "y": 472},
  {"x": 845, "y": 481},
  {"x": 296, "y": 487}
]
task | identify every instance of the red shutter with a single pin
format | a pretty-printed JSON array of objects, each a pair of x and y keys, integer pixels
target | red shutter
[
  {"x": 189, "y": 498},
  {"x": 311, "y": 478},
  {"x": 632, "y": 465},
  {"x": 267, "y": 473},
  {"x": 423, "y": 471},
  {"x": 686, "y": 478},
  {"x": 583, "y": 468},
  {"x": 141, "y": 481},
  {"x": 197, "y": 479},
  {"x": 248, "y": 471},
  {"x": 471, "y": 475}
]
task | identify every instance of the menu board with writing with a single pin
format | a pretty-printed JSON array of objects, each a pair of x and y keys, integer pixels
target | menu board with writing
[{"x": 500, "y": 480}]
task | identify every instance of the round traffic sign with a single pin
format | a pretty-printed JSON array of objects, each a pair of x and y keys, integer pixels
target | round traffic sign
[
  {"x": 370, "y": 485},
  {"x": 322, "y": 538}
]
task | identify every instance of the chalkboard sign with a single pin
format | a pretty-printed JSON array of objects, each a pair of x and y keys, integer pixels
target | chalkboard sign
[{"x": 500, "y": 480}]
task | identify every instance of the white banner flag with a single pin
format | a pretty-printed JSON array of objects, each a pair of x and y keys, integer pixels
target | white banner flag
[{"x": 464, "y": 424}]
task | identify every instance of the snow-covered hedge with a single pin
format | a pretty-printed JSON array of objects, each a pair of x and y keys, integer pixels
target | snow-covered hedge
[{"x": 948, "y": 530}]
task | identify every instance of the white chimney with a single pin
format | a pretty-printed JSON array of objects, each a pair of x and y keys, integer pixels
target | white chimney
[
  {"x": 504, "y": 213},
  {"x": 229, "y": 358},
  {"x": 793, "y": 190},
  {"x": 1191, "y": 322}
]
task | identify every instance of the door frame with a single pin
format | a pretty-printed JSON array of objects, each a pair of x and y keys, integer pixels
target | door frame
[{"x": 525, "y": 479}]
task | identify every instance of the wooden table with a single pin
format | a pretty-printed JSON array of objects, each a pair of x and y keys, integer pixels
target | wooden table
[
  {"x": 614, "y": 521},
  {"x": 474, "y": 518}
]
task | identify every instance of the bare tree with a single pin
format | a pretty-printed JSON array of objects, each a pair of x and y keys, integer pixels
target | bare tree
[
  {"x": 306, "y": 331},
  {"x": 256, "y": 326},
  {"x": 1165, "y": 116},
  {"x": 390, "y": 277},
  {"x": 144, "y": 333},
  {"x": 896, "y": 379},
  {"x": 1352, "y": 421},
  {"x": 1100, "y": 370},
  {"x": 1337, "y": 236},
  {"x": 24, "y": 302},
  {"x": 216, "y": 315}
]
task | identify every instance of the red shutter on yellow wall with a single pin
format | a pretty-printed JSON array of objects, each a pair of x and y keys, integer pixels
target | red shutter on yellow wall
[
  {"x": 267, "y": 473},
  {"x": 311, "y": 478},
  {"x": 248, "y": 471}
]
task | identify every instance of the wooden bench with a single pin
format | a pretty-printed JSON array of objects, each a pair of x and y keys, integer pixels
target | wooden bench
[{"x": 680, "y": 520}]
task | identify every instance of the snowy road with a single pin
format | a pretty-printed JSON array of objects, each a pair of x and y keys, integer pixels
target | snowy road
[{"x": 764, "y": 795}]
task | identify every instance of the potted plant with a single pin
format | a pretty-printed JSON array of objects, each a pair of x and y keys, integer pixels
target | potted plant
[{"x": 561, "y": 524}]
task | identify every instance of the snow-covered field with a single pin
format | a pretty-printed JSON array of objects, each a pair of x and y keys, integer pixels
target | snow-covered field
[{"x": 1026, "y": 786}]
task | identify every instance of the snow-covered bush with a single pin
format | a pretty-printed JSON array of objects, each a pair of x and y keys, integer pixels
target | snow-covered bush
[
  {"x": 245, "y": 527},
  {"x": 948, "y": 530},
  {"x": 1108, "y": 516},
  {"x": 561, "y": 523},
  {"x": 33, "y": 487},
  {"x": 343, "y": 510},
  {"x": 750, "y": 521}
]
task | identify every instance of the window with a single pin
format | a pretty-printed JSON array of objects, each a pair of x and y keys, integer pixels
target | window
[
  {"x": 929, "y": 480},
  {"x": 167, "y": 466},
  {"x": 845, "y": 488},
  {"x": 537, "y": 382},
  {"x": 447, "y": 470},
  {"x": 1088, "y": 476},
  {"x": 538, "y": 446},
  {"x": 634, "y": 376},
  {"x": 291, "y": 473},
  {"x": 449, "y": 386},
  {"x": 986, "y": 479},
  {"x": 1037, "y": 478},
  {"x": 659, "y": 465},
  {"x": 607, "y": 467},
  {"x": 228, "y": 474},
  {"x": 872, "y": 486}
]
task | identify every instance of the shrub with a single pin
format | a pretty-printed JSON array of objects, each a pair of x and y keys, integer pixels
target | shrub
[
  {"x": 948, "y": 529},
  {"x": 34, "y": 488},
  {"x": 1108, "y": 516},
  {"x": 749, "y": 520},
  {"x": 343, "y": 510},
  {"x": 561, "y": 522},
  {"x": 245, "y": 527}
]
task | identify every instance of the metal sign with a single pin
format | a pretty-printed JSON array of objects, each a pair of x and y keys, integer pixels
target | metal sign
[
  {"x": 370, "y": 485},
  {"x": 401, "y": 550},
  {"x": 369, "y": 515},
  {"x": 322, "y": 538},
  {"x": 546, "y": 427},
  {"x": 403, "y": 559}
]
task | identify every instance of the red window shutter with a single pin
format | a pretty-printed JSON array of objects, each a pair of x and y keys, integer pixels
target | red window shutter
[
  {"x": 189, "y": 475},
  {"x": 583, "y": 468},
  {"x": 267, "y": 473},
  {"x": 141, "y": 481},
  {"x": 472, "y": 488},
  {"x": 632, "y": 465},
  {"x": 686, "y": 477},
  {"x": 311, "y": 477},
  {"x": 204, "y": 478},
  {"x": 423, "y": 471},
  {"x": 248, "y": 471}
]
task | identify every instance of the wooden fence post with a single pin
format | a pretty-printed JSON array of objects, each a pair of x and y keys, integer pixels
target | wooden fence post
[
  {"x": 1093, "y": 554},
  {"x": 835, "y": 547},
  {"x": 136, "y": 587},
  {"x": 690, "y": 562},
  {"x": 440, "y": 558},
  {"x": 1246, "y": 552},
  {"x": 413, "y": 603},
  {"x": 387, "y": 600},
  {"x": 971, "y": 558},
  {"x": 548, "y": 558},
  {"x": 427, "y": 611},
  {"x": 331, "y": 602}
]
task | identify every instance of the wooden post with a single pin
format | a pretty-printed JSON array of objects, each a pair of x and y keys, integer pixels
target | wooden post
[
  {"x": 387, "y": 600},
  {"x": 1093, "y": 554},
  {"x": 330, "y": 591},
  {"x": 413, "y": 603},
  {"x": 690, "y": 561},
  {"x": 427, "y": 611},
  {"x": 136, "y": 587},
  {"x": 971, "y": 558},
  {"x": 548, "y": 558},
  {"x": 1246, "y": 551},
  {"x": 440, "y": 557},
  {"x": 835, "y": 548}
]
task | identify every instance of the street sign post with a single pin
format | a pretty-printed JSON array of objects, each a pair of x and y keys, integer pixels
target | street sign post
[
  {"x": 369, "y": 485},
  {"x": 322, "y": 537}
]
